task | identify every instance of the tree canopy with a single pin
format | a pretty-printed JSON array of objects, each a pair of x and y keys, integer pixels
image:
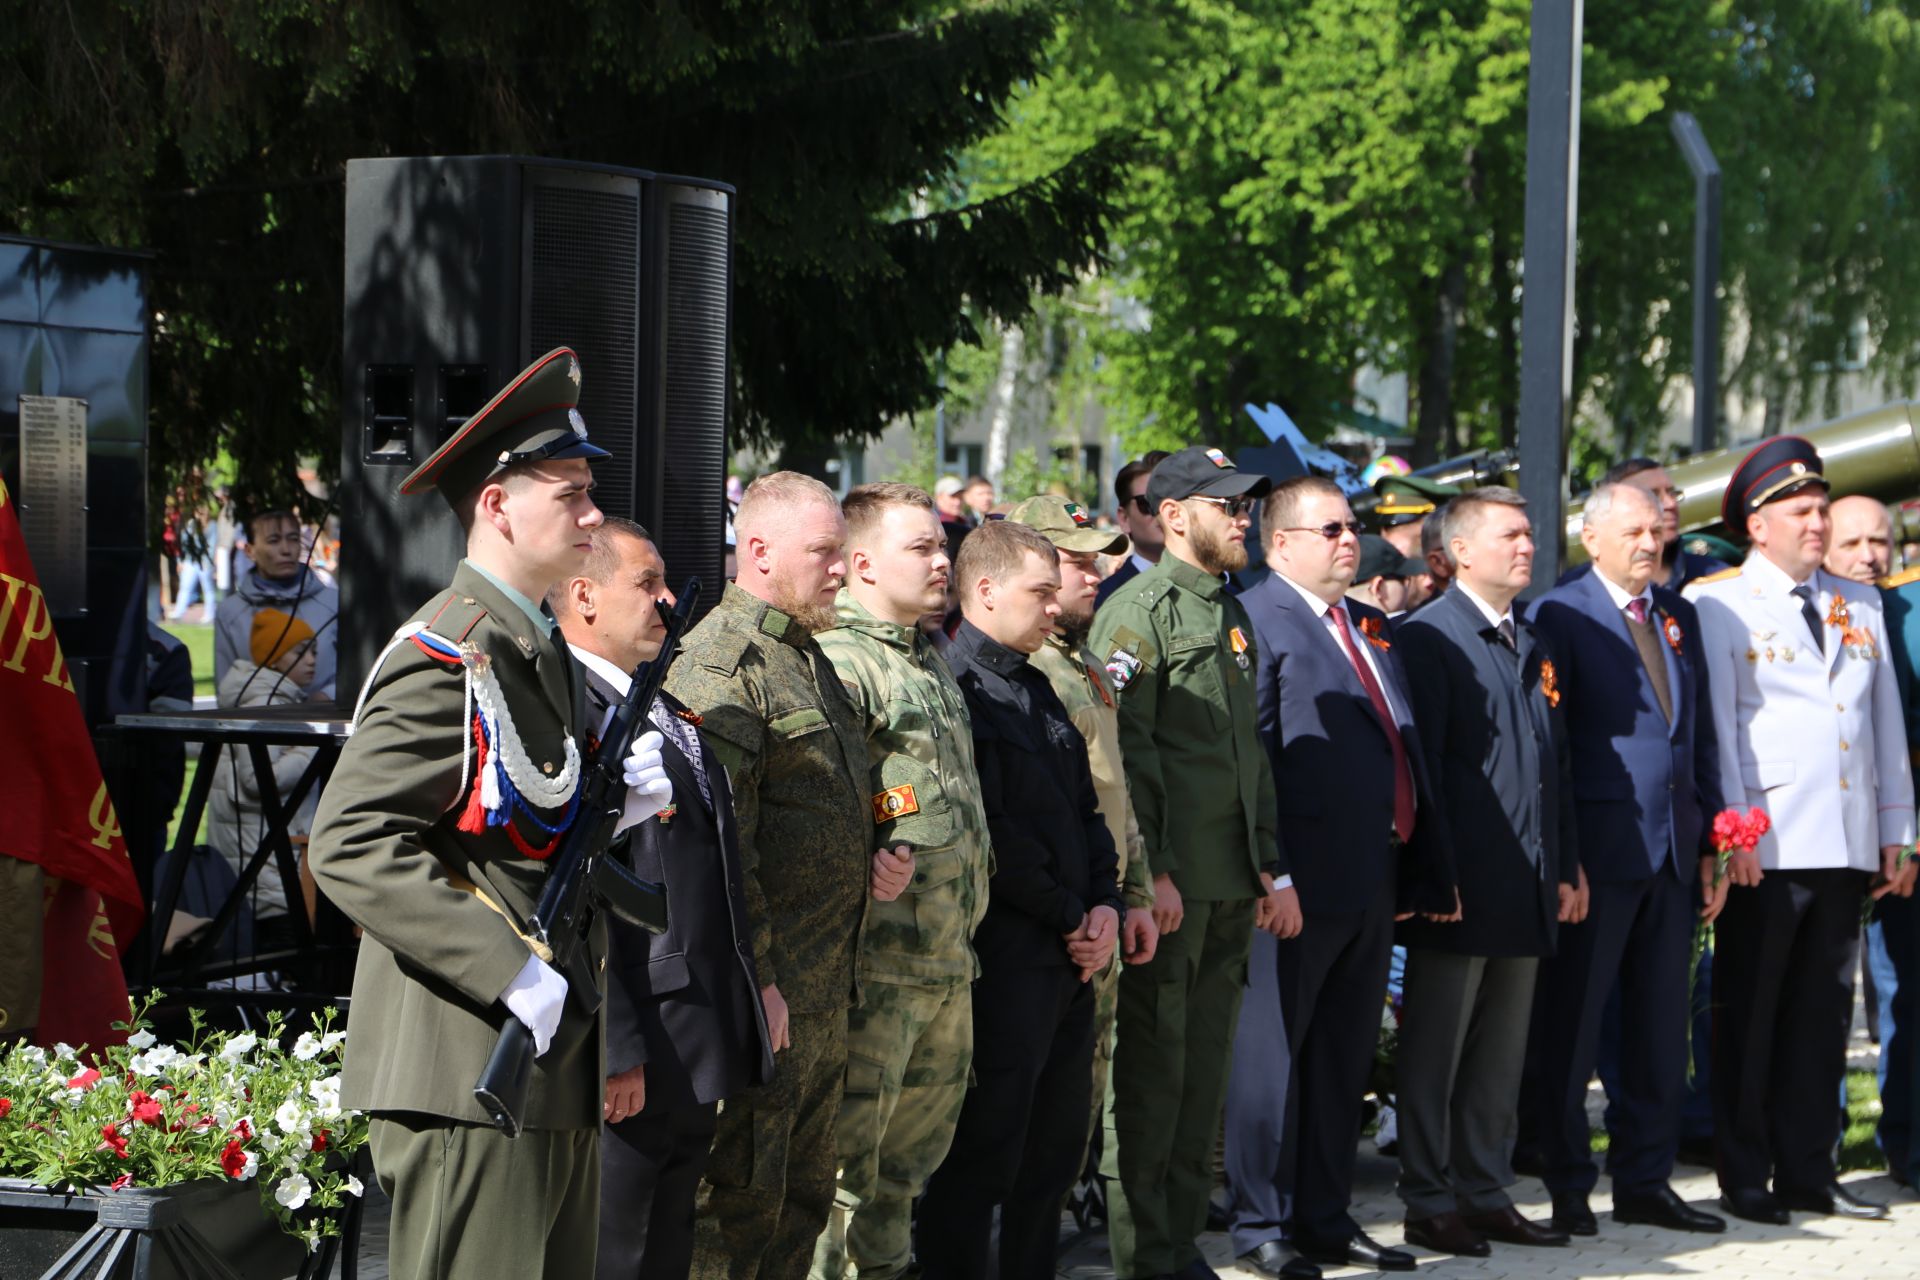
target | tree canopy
[{"x": 215, "y": 133}]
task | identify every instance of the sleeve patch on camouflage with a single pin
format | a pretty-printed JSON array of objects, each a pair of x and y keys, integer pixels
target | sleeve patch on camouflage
[
  {"x": 895, "y": 802},
  {"x": 795, "y": 723}
]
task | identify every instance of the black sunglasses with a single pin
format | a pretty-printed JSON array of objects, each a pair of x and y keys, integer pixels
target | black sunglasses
[
  {"x": 1331, "y": 530},
  {"x": 1139, "y": 503},
  {"x": 1234, "y": 507}
]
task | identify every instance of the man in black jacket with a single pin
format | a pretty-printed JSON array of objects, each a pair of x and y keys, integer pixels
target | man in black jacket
[
  {"x": 685, "y": 1026},
  {"x": 1053, "y": 916}
]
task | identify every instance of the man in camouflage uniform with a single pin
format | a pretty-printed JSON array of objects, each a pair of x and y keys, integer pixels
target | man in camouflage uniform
[
  {"x": 775, "y": 716},
  {"x": 1086, "y": 691},
  {"x": 910, "y": 1038},
  {"x": 1180, "y": 651}
]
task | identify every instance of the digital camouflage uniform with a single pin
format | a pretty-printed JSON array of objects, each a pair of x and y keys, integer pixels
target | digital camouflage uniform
[
  {"x": 910, "y": 1038},
  {"x": 1180, "y": 651},
  {"x": 775, "y": 715},
  {"x": 1086, "y": 691}
]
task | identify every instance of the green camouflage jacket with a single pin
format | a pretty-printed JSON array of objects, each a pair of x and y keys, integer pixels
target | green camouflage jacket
[
  {"x": 1087, "y": 694},
  {"x": 774, "y": 714},
  {"x": 1180, "y": 652},
  {"x": 925, "y": 793}
]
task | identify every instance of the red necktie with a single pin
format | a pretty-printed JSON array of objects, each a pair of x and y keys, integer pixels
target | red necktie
[{"x": 1402, "y": 774}]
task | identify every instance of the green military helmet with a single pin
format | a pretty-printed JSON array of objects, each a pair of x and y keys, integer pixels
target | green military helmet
[
  {"x": 1067, "y": 525},
  {"x": 1404, "y": 499},
  {"x": 534, "y": 418}
]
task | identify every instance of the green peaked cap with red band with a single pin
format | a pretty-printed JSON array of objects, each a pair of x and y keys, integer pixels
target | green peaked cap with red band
[{"x": 534, "y": 418}]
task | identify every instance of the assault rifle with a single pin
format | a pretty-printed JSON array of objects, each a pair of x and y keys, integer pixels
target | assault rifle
[{"x": 584, "y": 880}]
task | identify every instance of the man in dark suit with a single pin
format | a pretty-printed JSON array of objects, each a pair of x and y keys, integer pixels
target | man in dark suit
[
  {"x": 1337, "y": 722},
  {"x": 1646, "y": 780},
  {"x": 1485, "y": 698},
  {"x": 1138, "y": 520},
  {"x": 685, "y": 1026}
]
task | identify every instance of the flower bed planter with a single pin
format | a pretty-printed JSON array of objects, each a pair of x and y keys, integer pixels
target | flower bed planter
[{"x": 204, "y": 1230}]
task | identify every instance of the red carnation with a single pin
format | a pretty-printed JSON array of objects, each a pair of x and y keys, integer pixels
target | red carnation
[
  {"x": 233, "y": 1161},
  {"x": 146, "y": 1108},
  {"x": 85, "y": 1080},
  {"x": 320, "y": 1140},
  {"x": 115, "y": 1139}
]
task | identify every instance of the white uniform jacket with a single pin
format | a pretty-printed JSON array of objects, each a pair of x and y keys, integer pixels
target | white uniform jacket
[{"x": 1817, "y": 740}]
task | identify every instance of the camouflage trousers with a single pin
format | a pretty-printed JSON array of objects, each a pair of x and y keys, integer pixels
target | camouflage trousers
[
  {"x": 1106, "y": 999},
  {"x": 909, "y": 1049}
]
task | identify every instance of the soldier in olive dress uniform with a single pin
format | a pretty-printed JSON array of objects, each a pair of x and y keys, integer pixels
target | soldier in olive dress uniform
[
  {"x": 776, "y": 717},
  {"x": 442, "y": 871}
]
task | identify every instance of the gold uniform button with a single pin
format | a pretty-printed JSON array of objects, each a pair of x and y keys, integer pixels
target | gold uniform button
[
  {"x": 547, "y": 767},
  {"x": 467, "y": 600},
  {"x": 1843, "y": 745},
  {"x": 1844, "y": 786},
  {"x": 1839, "y": 706}
]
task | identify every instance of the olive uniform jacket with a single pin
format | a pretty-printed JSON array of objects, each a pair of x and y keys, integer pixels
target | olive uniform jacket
[{"x": 437, "y": 956}]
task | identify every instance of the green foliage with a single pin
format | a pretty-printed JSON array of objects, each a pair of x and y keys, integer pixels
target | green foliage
[
  {"x": 1030, "y": 473},
  {"x": 216, "y": 135}
]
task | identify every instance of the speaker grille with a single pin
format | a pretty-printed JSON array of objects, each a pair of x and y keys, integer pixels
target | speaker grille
[
  {"x": 584, "y": 293},
  {"x": 694, "y": 452}
]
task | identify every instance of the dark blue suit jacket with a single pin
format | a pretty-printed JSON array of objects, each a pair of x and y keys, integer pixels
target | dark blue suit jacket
[
  {"x": 1645, "y": 787},
  {"x": 1332, "y": 762},
  {"x": 1126, "y": 573},
  {"x": 1497, "y": 751}
]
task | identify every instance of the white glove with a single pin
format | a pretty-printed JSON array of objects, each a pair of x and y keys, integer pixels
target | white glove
[
  {"x": 649, "y": 789},
  {"x": 536, "y": 996}
]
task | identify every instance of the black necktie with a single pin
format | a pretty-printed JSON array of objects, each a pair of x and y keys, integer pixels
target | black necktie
[{"x": 1812, "y": 615}]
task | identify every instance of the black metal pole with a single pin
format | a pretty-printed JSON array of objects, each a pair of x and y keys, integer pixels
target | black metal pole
[
  {"x": 1706, "y": 279},
  {"x": 1546, "y": 307}
]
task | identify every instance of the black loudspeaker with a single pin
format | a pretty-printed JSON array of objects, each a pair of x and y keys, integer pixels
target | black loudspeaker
[{"x": 459, "y": 271}]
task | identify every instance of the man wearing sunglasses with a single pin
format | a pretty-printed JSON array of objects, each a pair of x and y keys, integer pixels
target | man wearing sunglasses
[
  {"x": 1181, "y": 654},
  {"x": 1139, "y": 520}
]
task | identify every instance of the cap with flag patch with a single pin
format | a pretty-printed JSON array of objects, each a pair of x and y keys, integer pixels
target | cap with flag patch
[
  {"x": 1202, "y": 471},
  {"x": 534, "y": 418},
  {"x": 1067, "y": 525}
]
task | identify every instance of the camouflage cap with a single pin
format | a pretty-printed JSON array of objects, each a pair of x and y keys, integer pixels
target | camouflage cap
[
  {"x": 534, "y": 418},
  {"x": 1067, "y": 525}
]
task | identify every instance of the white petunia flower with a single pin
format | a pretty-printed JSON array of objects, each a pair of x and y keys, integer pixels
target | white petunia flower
[
  {"x": 163, "y": 1056},
  {"x": 307, "y": 1047},
  {"x": 291, "y": 1116},
  {"x": 239, "y": 1047},
  {"x": 142, "y": 1064},
  {"x": 252, "y": 1166},
  {"x": 333, "y": 1039},
  {"x": 293, "y": 1191},
  {"x": 270, "y": 1141},
  {"x": 326, "y": 1097},
  {"x": 33, "y": 1055},
  {"x": 354, "y": 1187},
  {"x": 63, "y": 1052},
  {"x": 141, "y": 1039}
]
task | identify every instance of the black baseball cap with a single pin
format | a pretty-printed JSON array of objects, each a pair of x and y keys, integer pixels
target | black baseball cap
[
  {"x": 1379, "y": 559},
  {"x": 1200, "y": 471}
]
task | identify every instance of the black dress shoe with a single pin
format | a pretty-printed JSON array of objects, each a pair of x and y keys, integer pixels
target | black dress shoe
[
  {"x": 1358, "y": 1250},
  {"x": 1276, "y": 1259},
  {"x": 1447, "y": 1233},
  {"x": 1662, "y": 1207},
  {"x": 1755, "y": 1205},
  {"x": 1571, "y": 1215},
  {"x": 1509, "y": 1227},
  {"x": 1833, "y": 1198}
]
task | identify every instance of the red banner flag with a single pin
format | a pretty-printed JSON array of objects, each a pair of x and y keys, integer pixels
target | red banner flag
[{"x": 57, "y": 811}]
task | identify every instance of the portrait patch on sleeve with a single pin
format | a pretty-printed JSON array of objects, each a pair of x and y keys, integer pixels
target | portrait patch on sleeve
[{"x": 895, "y": 802}]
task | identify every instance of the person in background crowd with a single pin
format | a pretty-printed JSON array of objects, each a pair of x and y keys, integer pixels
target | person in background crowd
[
  {"x": 1860, "y": 548},
  {"x": 1400, "y": 515},
  {"x": 1086, "y": 691},
  {"x": 1436, "y": 556},
  {"x": 1486, "y": 698},
  {"x": 278, "y": 666},
  {"x": 1808, "y": 715},
  {"x": 1382, "y": 578},
  {"x": 196, "y": 564},
  {"x": 1052, "y": 922},
  {"x": 1336, "y": 719},
  {"x": 685, "y": 1028},
  {"x": 1646, "y": 786},
  {"x": 977, "y": 494},
  {"x": 1138, "y": 520},
  {"x": 910, "y": 1039},
  {"x": 279, "y": 580},
  {"x": 1181, "y": 651},
  {"x": 1678, "y": 566},
  {"x": 778, "y": 720},
  {"x": 955, "y": 520},
  {"x": 225, "y": 533}
]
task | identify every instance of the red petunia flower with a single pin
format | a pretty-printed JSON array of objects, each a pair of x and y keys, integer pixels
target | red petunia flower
[
  {"x": 233, "y": 1161},
  {"x": 6, "y": 1106},
  {"x": 146, "y": 1108},
  {"x": 320, "y": 1140},
  {"x": 115, "y": 1139},
  {"x": 244, "y": 1129},
  {"x": 121, "y": 1183},
  {"x": 85, "y": 1080}
]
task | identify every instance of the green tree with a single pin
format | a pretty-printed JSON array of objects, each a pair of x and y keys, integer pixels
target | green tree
[{"x": 216, "y": 134}]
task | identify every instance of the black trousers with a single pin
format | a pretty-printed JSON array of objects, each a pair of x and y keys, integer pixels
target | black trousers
[
  {"x": 1332, "y": 982},
  {"x": 1637, "y": 933},
  {"x": 650, "y": 1167},
  {"x": 1021, "y": 1131},
  {"x": 1257, "y": 1208},
  {"x": 1785, "y": 951}
]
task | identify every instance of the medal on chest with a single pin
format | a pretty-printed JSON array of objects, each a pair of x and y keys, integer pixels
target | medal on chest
[{"x": 1238, "y": 640}]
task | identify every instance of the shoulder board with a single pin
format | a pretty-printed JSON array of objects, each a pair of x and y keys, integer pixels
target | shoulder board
[
  {"x": 1900, "y": 579},
  {"x": 719, "y": 650},
  {"x": 1721, "y": 576}
]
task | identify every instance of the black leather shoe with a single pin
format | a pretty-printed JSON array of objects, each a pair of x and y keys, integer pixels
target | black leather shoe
[
  {"x": 1276, "y": 1259},
  {"x": 1359, "y": 1250},
  {"x": 1571, "y": 1215},
  {"x": 1508, "y": 1226},
  {"x": 1755, "y": 1205},
  {"x": 1662, "y": 1207},
  {"x": 1447, "y": 1233},
  {"x": 1834, "y": 1199}
]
